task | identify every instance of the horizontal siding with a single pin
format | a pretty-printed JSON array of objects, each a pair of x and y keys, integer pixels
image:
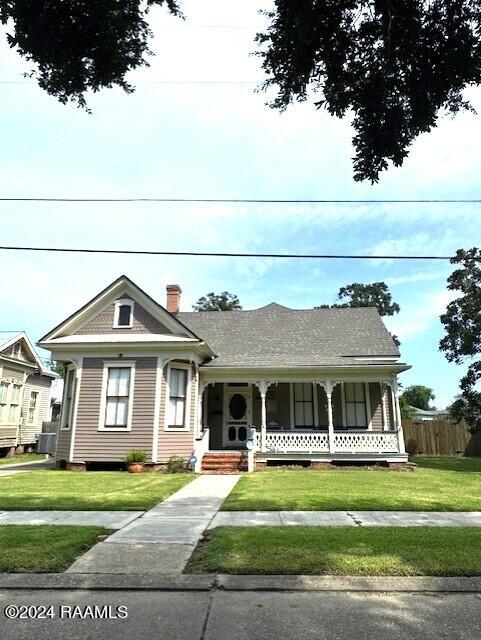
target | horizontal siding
[
  {"x": 29, "y": 431},
  {"x": 103, "y": 323},
  {"x": 93, "y": 445},
  {"x": 8, "y": 436},
  {"x": 176, "y": 443},
  {"x": 14, "y": 374}
]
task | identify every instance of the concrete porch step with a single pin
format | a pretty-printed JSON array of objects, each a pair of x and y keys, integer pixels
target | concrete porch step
[{"x": 224, "y": 462}]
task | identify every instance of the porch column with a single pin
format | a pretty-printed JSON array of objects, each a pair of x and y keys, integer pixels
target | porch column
[
  {"x": 263, "y": 386},
  {"x": 329, "y": 388},
  {"x": 200, "y": 424},
  {"x": 397, "y": 414}
]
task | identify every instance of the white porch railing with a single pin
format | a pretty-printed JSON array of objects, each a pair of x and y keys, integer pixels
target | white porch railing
[{"x": 318, "y": 442}]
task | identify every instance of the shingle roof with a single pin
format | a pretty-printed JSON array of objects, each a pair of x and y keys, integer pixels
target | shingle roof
[{"x": 277, "y": 336}]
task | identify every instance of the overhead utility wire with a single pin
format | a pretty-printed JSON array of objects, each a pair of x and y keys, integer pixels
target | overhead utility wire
[
  {"x": 249, "y": 200},
  {"x": 301, "y": 256}
]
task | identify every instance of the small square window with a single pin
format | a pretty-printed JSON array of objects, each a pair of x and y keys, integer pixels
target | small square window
[{"x": 123, "y": 314}]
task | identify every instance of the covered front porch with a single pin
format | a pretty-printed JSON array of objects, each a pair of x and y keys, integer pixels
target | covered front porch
[{"x": 356, "y": 418}]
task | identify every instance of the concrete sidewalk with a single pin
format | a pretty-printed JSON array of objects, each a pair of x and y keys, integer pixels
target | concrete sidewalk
[
  {"x": 163, "y": 539},
  {"x": 107, "y": 519},
  {"x": 347, "y": 518}
]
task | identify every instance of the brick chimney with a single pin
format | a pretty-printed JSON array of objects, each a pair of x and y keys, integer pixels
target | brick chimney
[{"x": 173, "y": 298}]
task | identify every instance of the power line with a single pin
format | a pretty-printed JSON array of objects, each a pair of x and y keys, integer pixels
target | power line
[
  {"x": 208, "y": 254},
  {"x": 161, "y": 82},
  {"x": 248, "y": 200}
]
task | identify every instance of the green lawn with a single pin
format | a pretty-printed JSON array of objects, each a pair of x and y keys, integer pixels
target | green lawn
[
  {"x": 44, "y": 549},
  {"x": 104, "y": 491},
  {"x": 369, "y": 551},
  {"x": 438, "y": 484},
  {"x": 24, "y": 457}
]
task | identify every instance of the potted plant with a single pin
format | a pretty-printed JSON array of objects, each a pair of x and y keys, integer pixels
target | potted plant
[{"x": 135, "y": 460}]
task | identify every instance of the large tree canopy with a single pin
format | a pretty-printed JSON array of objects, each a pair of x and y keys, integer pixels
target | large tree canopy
[
  {"x": 224, "y": 301},
  {"x": 376, "y": 294},
  {"x": 393, "y": 63},
  {"x": 462, "y": 342},
  {"x": 80, "y": 45},
  {"x": 419, "y": 396}
]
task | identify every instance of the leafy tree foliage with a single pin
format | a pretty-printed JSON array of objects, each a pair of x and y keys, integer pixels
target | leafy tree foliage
[
  {"x": 224, "y": 301},
  {"x": 394, "y": 64},
  {"x": 80, "y": 45},
  {"x": 407, "y": 412},
  {"x": 419, "y": 396},
  {"x": 376, "y": 295},
  {"x": 462, "y": 342}
]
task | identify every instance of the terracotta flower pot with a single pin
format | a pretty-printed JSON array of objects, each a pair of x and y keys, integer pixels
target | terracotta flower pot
[{"x": 135, "y": 467}]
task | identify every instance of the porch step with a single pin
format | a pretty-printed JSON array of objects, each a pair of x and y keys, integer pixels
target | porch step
[{"x": 229, "y": 462}]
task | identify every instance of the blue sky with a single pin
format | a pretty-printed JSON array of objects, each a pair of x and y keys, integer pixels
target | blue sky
[{"x": 220, "y": 140}]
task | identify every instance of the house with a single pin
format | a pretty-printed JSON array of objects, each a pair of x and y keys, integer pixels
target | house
[
  {"x": 24, "y": 393},
  {"x": 431, "y": 415},
  {"x": 313, "y": 385}
]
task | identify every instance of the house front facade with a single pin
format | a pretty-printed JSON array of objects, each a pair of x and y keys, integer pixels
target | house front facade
[
  {"x": 24, "y": 393},
  {"x": 266, "y": 386}
]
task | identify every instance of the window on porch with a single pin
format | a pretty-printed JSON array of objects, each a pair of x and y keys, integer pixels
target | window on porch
[
  {"x": 355, "y": 401},
  {"x": 303, "y": 405}
]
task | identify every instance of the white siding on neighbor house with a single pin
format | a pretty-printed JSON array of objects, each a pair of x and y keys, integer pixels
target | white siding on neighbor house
[{"x": 29, "y": 430}]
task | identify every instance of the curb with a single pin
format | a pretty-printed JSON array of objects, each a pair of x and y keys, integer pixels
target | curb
[{"x": 208, "y": 582}]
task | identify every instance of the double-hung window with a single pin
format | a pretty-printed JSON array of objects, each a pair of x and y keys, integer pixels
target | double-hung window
[
  {"x": 3, "y": 400},
  {"x": 303, "y": 404},
  {"x": 177, "y": 409},
  {"x": 15, "y": 403},
  {"x": 32, "y": 406},
  {"x": 355, "y": 398},
  {"x": 116, "y": 412}
]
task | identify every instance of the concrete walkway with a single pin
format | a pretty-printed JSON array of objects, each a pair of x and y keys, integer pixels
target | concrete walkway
[
  {"x": 348, "y": 518},
  {"x": 25, "y": 467},
  {"x": 107, "y": 519},
  {"x": 162, "y": 539}
]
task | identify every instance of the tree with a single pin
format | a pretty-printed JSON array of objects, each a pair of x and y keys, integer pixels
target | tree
[
  {"x": 394, "y": 65},
  {"x": 407, "y": 412},
  {"x": 376, "y": 295},
  {"x": 80, "y": 45},
  {"x": 224, "y": 301},
  {"x": 462, "y": 324},
  {"x": 419, "y": 396}
]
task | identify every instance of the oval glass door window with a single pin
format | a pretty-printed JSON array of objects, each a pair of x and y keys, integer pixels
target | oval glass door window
[
  {"x": 242, "y": 434},
  {"x": 237, "y": 406}
]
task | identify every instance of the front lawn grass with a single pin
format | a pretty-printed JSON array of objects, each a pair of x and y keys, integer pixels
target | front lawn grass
[
  {"x": 438, "y": 484},
  {"x": 44, "y": 549},
  {"x": 23, "y": 457},
  {"x": 355, "y": 551},
  {"x": 90, "y": 491}
]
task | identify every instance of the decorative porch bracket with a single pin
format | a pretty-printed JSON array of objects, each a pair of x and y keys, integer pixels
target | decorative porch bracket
[
  {"x": 263, "y": 386},
  {"x": 328, "y": 386}
]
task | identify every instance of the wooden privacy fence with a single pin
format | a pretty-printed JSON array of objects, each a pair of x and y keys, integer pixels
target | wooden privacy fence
[{"x": 440, "y": 438}]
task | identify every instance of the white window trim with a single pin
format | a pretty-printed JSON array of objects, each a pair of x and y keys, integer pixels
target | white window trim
[
  {"x": 36, "y": 407},
  {"x": 116, "y": 364},
  {"x": 66, "y": 421},
  {"x": 123, "y": 303},
  {"x": 187, "y": 367}
]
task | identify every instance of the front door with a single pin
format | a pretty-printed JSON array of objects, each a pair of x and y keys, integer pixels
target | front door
[{"x": 237, "y": 415}]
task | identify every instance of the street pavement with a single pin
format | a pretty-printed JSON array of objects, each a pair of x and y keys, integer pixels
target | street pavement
[{"x": 247, "y": 615}]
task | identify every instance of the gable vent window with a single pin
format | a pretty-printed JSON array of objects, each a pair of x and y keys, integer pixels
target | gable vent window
[{"x": 123, "y": 314}]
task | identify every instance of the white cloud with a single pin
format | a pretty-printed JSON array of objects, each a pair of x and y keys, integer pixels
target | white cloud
[{"x": 418, "y": 318}]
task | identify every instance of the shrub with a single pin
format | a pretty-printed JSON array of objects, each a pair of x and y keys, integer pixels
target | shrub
[
  {"x": 176, "y": 465},
  {"x": 135, "y": 455}
]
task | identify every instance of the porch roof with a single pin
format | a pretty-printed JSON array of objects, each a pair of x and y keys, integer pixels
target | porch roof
[{"x": 275, "y": 336}]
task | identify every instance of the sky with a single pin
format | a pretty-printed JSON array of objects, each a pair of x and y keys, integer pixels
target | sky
[{"x": 196, "y": 128}]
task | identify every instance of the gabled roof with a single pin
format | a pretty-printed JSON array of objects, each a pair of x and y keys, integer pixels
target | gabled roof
[
  {"x": 123, "y": 285},
  {"x": 281, "y": 337},
  {"x": 9, "y": 338}
]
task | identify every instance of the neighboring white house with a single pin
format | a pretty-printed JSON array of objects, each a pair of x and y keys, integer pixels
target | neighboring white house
[{"x": 24, "y": 393}]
